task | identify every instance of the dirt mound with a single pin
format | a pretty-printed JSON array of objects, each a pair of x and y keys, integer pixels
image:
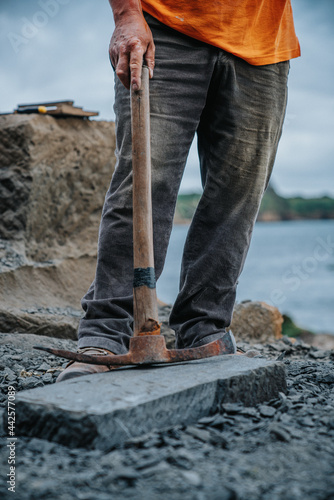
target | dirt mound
[{"x": 54, "y": 174}]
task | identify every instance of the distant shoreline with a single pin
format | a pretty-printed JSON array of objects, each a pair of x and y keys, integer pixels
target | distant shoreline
[
  {"x": 186, "y": 222},
  {"x": 274, "y": 208}
]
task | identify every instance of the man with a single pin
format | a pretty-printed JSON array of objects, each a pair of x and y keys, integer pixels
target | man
[{"x": 218, "y": 69}]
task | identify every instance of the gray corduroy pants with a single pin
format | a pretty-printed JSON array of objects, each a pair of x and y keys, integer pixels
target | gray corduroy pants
[{"x": 237, "y": 111}]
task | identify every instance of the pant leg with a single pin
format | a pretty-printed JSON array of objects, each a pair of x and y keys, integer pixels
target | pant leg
[
  {"x": 177, "y": 97},
  {"x": 238, "y": 136}
]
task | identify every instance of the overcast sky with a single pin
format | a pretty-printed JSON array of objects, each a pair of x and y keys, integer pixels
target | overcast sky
[{"x": 58, "y": 49}]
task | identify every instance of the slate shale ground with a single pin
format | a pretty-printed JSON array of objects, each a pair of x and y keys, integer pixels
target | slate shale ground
[{"x": 280, "y": 450}]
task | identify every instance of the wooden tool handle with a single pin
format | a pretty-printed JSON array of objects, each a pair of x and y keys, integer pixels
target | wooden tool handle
[{"x": 145, "y": 299}]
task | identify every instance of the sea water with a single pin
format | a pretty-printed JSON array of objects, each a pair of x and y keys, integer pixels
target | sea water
[{"x": 289, "y": 265}]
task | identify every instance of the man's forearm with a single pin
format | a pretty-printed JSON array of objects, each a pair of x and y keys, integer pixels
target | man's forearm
[{"x": 122, "y": 8}]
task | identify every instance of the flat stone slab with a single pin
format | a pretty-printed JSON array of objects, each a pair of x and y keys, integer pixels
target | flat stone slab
[{"x": 106, "y": 409}]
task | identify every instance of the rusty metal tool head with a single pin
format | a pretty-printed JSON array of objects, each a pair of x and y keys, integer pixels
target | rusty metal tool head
[
  {"x": 147, "y": 346},
  {"x": 151, "y": 349}
]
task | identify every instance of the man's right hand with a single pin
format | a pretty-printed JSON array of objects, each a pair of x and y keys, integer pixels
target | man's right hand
[{"x": 130, "y": 45}]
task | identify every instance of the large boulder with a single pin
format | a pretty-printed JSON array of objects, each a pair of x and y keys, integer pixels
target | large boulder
[{"x": 256, "y": 322}]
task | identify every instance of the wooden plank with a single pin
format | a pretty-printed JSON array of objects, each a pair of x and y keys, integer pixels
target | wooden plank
[
  {"x": 64, "y": 109},
  {"x": 46, "y": 104}
]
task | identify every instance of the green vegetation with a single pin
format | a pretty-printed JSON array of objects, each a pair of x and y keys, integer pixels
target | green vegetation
[
  {"x": 273, "y": 207},
  {"x": 290, "y": 329},
  {"x": 313, "y": 208}
]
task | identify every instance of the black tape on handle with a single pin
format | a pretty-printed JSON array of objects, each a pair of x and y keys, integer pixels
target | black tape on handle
[{"x": 144, "y": 276}]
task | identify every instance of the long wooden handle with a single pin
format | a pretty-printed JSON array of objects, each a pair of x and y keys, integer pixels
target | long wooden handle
[{"x": 145, "y": 298}]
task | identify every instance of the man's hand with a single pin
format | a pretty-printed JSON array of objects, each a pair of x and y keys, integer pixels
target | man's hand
[{"x": 131, "y": 43}]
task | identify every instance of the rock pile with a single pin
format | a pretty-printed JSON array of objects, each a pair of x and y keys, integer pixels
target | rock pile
[{"x": 280, "y": 450}]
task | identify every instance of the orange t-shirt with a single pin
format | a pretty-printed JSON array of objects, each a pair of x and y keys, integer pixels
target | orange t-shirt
[{"x": 259, "y": 31}]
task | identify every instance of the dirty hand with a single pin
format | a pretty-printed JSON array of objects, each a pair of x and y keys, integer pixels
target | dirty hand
[{"x": 131, "y": 42}]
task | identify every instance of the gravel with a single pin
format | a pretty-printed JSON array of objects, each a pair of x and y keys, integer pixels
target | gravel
[{"x": 283, "y": 449}]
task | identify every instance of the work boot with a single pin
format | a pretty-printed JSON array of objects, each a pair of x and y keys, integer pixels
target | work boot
[{"x": 75, "y": 369}]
